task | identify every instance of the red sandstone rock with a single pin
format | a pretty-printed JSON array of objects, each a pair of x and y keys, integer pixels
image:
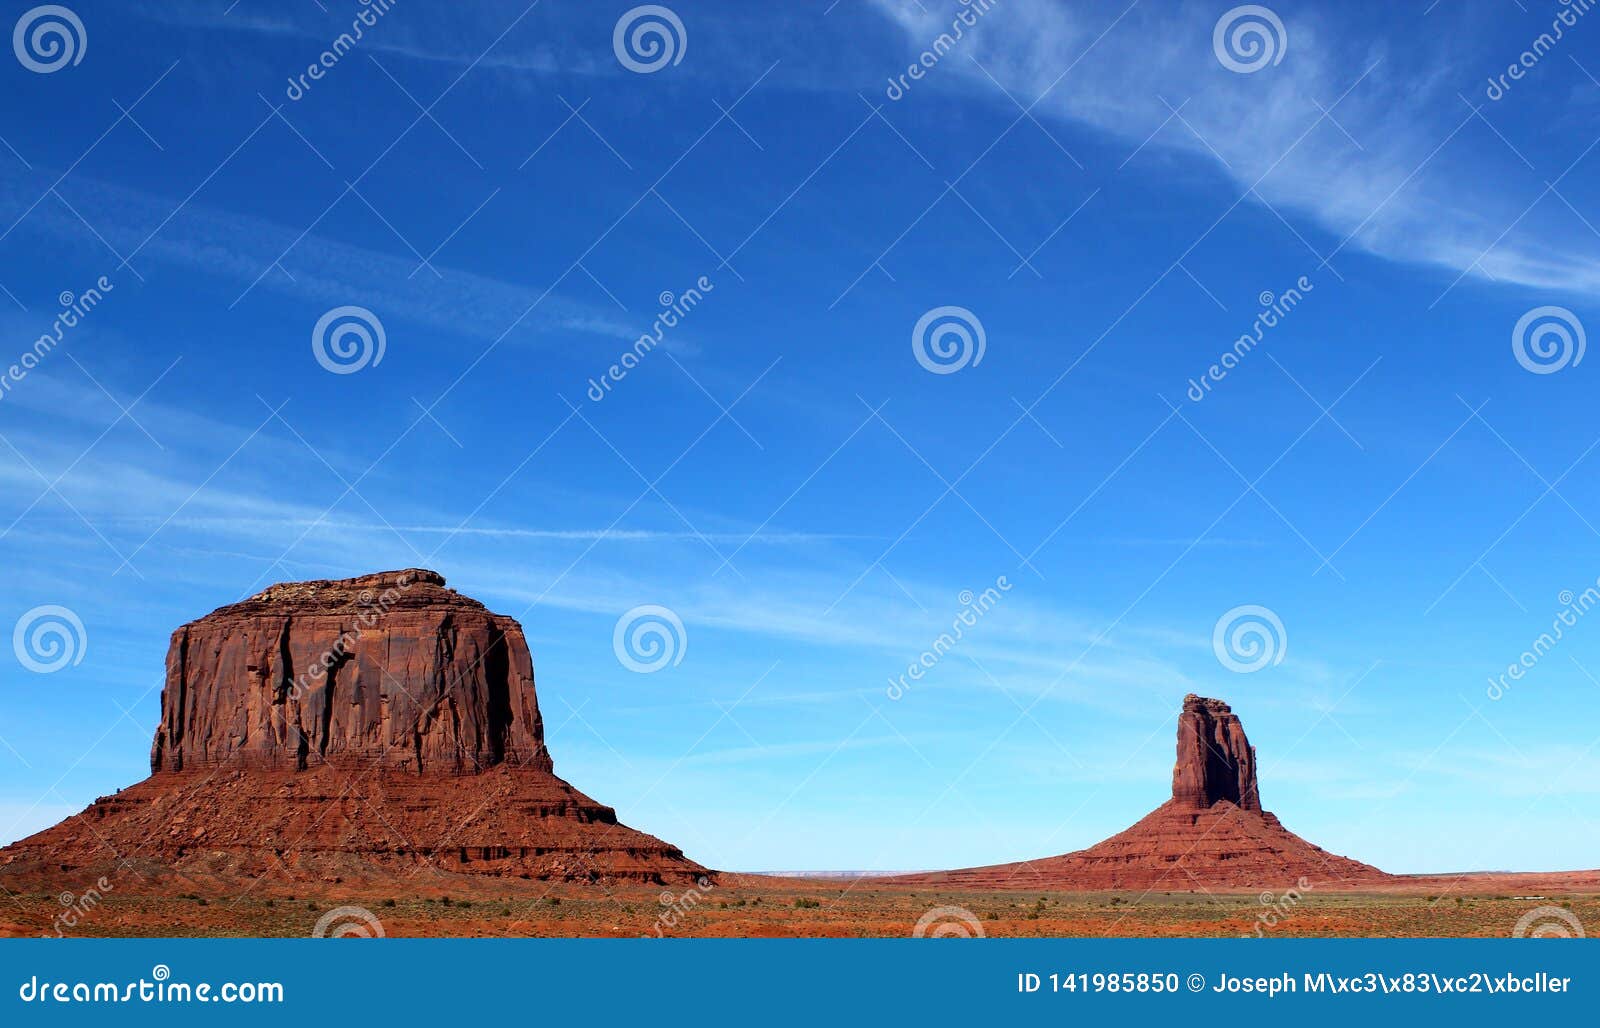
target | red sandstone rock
[
  {"x": 384, "y": 722},
  {"x": 1212, "y": 833},
  {"x": 1215, "y": 760},
  {"x": 391, "y": 670}
]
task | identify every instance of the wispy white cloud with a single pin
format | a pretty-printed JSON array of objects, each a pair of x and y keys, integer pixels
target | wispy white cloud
[
  {"x": 336, "y": 526},
  {"x": 1384, "y": 171},
  {"x": 767, "y": 755},
  {"x": 454, "y": 36},
  {"x": 793, "y": 589},
  {"x": 250, "y": 253},
  {"x": 533, "y": 44}
]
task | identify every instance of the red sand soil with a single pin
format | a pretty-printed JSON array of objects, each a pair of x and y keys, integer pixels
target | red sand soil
[{"x": 210, "y": 899}]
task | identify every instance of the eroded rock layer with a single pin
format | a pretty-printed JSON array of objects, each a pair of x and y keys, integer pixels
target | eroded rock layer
[
  {"x": 1212, "y": 833},
  {"x": 385, "y": 720},
  {"x": 506, "y": 821},
  {"x": 390, "y": 670},
  {"x": 1215, "y": 760}
]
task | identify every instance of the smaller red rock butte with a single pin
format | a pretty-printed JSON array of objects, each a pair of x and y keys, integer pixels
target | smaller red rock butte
[
  {"x": 1215, "y": 761},
  {"x": 1211, "y": 834},
  {"x": 365, "y": 727}
]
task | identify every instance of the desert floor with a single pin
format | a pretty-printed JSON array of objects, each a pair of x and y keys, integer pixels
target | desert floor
[{"x": 752, "y": 906}]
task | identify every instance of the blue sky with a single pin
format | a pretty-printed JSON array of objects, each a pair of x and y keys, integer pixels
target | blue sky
[{"x": 1092, "y": 182}]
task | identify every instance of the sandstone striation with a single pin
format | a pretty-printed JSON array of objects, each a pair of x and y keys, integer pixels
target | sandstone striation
[
  {"x": 1215, "y": 760},
  {"x": 390, "y": 670},
  {"x": 369, "y": 725},
  {"x": 1212, "y": 833}
]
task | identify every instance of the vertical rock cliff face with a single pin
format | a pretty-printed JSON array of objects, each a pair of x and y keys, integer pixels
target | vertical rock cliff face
[
  {"x": 369, "y": 727},
  {"x": 390, "y": 670},
  {"x": 1215, "y": 760}
]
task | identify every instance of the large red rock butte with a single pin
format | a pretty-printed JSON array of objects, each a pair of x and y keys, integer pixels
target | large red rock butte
[
  {"x": 376, "y": 725},
  {"x": 1212, "y": 833}
]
